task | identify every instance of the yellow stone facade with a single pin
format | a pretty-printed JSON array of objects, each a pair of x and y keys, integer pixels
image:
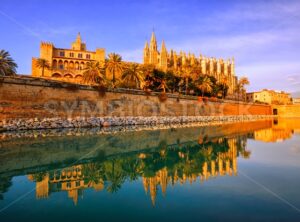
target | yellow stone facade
[
  {"x": 70, "y": 179},
  {"x": 66, "y": 64},
  {"x": 219, "y": 68},
  {"x": 270, "y": 97},
  {"x": 296, "y": 101}
]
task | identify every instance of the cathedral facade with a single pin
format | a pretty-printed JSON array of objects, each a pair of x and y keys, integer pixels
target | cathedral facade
[
  {"x": 66, "y": 64},
  {"x": 219, "y": 68}
]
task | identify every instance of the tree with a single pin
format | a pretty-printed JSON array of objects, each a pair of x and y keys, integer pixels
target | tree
[
  {"x": 147, "y": 69},
  {"x": 224, "y": 86},
  {"x": 42, "y": 64},
  {"x": 8, "y": 67},
  {"x": 172, "y": 81},
  {"x": 114, "y": 65},
  {"x": 93, "y": 173},
  {"x": 163, "y": 85},
  {"x": 205, "y": 85},
  {"x": 133, "y": 73},
  {"x": 115, "y": 178},
  {"x": 187, "y": 74},
  {"x": 94, "y": 74},
  {"x": 240, "y": 87}
]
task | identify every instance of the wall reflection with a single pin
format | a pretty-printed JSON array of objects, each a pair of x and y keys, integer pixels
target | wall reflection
[{"x": 159, "y": 159}]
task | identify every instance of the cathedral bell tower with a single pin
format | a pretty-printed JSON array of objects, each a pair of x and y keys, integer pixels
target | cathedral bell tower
[
  {"x": 146, "y": 53},
  {"x": 153, "y": 53},
  {"x": 163, "y": 57}
]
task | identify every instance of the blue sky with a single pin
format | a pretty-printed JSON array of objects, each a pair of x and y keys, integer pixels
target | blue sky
[{"x": 263, "y": 36}]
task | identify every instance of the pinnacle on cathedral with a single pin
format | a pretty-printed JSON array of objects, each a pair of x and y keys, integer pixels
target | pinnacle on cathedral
[
  {"x": 153, "y": 42},
  {"x": 146, "y": 46},
  {"x": 163, "y": 46},
  {"x": 208, "y": 66}
]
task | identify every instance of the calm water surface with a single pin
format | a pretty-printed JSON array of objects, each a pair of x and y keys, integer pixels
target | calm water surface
[{"x": 232, "y": 172}]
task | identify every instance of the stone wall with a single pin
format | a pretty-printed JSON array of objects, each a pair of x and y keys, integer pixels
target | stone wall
[
  {"x": 287, "y": 110},
  {"x": 27, "y": 97}
]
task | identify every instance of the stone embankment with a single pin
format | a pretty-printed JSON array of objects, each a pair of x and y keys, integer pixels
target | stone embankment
[{"x": 57, "y": 123}]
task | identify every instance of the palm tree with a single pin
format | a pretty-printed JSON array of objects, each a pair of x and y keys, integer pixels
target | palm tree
[
  {"x": 133, "y": 73},
  {"x": 147, "y": 69},
  {"x": 205, "y": 85},
  {"x": 187, "y": 74},
  {"x": 224, "y": 84},
  {"x": 92, "y": 173},
  {"x": 7, "y": 64},
  {"x": 42, "y": 64},
  {"x": 114, "y": 65},
  {"x": 163, "y": 85},
  {"x": 94, "y": 73},
  {"x": 115, "y": 178}
]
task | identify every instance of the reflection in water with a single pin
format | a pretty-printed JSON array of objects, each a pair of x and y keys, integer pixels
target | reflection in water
[
  {"x": 167, "y": 165},
  {"x": 159, "y": 159}
]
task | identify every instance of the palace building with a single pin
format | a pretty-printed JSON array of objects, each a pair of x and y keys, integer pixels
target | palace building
[
  {"x": 219, "y": 68},
  {"x": 66, "y": 64},
  {"x": 270, "y": 97}
]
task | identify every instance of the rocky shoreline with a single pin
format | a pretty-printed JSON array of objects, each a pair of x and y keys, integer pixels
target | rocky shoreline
[{"x": 93, "y": 122}]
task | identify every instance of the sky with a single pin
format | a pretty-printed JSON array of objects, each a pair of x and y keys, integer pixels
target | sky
[{"x": 263, "y": 36}]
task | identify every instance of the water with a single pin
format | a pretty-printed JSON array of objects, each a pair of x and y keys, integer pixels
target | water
[{"x": 233, "y": 172}]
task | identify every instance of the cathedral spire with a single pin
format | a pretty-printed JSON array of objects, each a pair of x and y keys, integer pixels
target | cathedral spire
[
  {"x": 146, "y": 46},
  {"x": 153, "y": 42},
  {"x": 163, "y": 46},
  {"x": 153, "y": 38}
]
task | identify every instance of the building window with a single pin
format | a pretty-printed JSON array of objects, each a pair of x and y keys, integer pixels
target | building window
[
  {"x": 61, "y": 53},
  {"x": 71, "y": 54},
  {"x": 80, "y": 55},
  {"x": 87, "y": 56},
  {"x": 61, "y": 66}
]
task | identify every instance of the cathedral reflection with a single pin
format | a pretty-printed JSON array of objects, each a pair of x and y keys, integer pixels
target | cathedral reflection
[
  {"x": 158, "y": 159},
  {"x": 158, "y": 169}
]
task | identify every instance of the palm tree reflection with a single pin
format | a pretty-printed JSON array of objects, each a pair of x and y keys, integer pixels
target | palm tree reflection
[{"x": 164, "y": 166}]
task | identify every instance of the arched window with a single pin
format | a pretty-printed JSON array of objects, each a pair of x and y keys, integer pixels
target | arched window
[
  {"x": 56, "y": 75},
  {"x": 54, "y": 64},
  {"x": 60, "y": 64},
  {"x": 76, "y": 65},
  {"x": 66, "y": 64},
  {"x": 71, "y": 65},
  {"x": 68, "y": 76},
  {"x": 82, "y": 65}
]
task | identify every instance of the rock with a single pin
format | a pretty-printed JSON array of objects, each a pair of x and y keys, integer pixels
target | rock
[{"x": 106, "y": 124}]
